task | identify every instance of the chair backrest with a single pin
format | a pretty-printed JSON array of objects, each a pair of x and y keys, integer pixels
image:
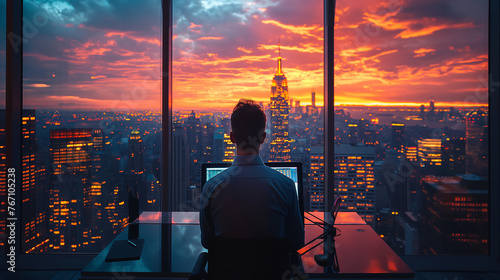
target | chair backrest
[{"x": 248, "y": 259}]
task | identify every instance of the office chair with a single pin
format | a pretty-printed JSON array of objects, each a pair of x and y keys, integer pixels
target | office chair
[{"x": 248, "y": 259}]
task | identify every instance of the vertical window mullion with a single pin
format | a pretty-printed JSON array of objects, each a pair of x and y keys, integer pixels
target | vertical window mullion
[{"x": 329, "y": 114}]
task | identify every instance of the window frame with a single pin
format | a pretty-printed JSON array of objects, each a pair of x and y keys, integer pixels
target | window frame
[{"x": 14, "y": 84}]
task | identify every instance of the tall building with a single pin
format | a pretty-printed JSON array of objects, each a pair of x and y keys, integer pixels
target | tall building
[
  {"x": 34, "y": 211},
  {"x": 411, "y": 154},
  {"x": 476, "y": 146},
  {"x": 429, "y": 155},
  {"x": 353, "y": 133},
  {"x": 454, "y": 216},
  {"x": 218, "y": 148},
  {"x": 194, "y": 140},
  {"x": 208, "y": 132},
  {"x": 107, "y": 195},
  {"x": 354, "y": 179},
  {"x": 69, "y": 197},
  {"x": 398, "y": 136},
  {"x": 279, "y": 149},
  {"x": 317, "y": 178},
  {"x": 453, "y": 154},
  {"x": 367, "y": 133},
  {"x": 135, "y": 153},
  {"x": 180, "y": 170},
  {"x": 229, "y": 149}
]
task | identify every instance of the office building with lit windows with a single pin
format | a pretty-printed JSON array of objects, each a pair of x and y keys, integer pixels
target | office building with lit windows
[
  {"x": 398, "y": 136},
  {"x": 429, "y": 155},
  {"x": 476, "y": 146},
  {"x": 454, "y": 215},
  {"x": 279, "y": 147},
  {"x": 70, "y": 195},
  {"x": 317, "y": 178},
  {"x": 135, "y": 153},
  {"x": 229, "y": 149},
  {"x": 180, "y": 174},
  {"x": 411, "y": 154},
  {"x": 354, "y": 179},
  {"x": 34, "y": 217}
]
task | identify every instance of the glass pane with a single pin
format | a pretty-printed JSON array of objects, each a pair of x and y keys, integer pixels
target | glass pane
[
  {"x": 271, "y": 52},
  {"x": 3, "y": 171},
  {"x": 411, "y": 95},
  {"x": 91, "y": 120}
]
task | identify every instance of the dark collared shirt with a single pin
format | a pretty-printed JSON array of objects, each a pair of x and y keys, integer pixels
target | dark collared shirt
[{"x": 251, "y": 200}]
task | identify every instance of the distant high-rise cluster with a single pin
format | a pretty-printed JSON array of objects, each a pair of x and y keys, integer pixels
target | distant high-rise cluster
[{"x": 419, "y": 176}]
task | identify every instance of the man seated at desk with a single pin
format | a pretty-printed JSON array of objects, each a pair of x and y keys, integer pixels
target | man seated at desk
[{"x": 249, "y": 199}]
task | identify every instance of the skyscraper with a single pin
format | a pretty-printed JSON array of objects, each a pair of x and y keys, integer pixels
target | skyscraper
[
  {"x": 476, "y": 146},
  {"x": 355, "y": 179},
  {"x": 316, "y": 178},
  {"x": 429, "y": 155},
  {"x": 34, "y": 210},
  {"x": 69, "y": 201},
  {"x": 229, "y": 149},
  {"x": 135, "y": 153},
  {"x": 398, "y": 136},
  {"x": 454, "y": 216},
  {"x": 180, "y": 170},
  {"x": 280, "y": 142}
]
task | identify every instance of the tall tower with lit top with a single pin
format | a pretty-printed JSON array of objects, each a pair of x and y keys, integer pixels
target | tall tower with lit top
[{"x": 280, "y": 143}]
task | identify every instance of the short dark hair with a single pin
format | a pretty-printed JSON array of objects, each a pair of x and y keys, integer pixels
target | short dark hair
[{"x": 248, "y": 123}]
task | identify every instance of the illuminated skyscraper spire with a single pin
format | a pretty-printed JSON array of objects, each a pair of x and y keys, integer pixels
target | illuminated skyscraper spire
[{"x": 280, "y": 143}]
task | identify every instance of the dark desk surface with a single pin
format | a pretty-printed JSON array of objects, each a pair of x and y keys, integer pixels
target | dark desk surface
[{"x": 172, "y": 245}]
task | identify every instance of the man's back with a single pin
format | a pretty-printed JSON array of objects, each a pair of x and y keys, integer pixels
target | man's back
[{"x": 251, "y": 200}]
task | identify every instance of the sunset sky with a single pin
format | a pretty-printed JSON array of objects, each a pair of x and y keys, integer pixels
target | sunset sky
[{"x": 107, "y": 54}]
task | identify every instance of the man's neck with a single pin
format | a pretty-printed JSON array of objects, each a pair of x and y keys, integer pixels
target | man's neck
[{"x": 248, "y": 152}]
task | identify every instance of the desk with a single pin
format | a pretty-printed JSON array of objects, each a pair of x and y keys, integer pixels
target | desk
[{"x": 172, "y": 245}]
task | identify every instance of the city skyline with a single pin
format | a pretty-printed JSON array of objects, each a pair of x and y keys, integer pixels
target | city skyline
[{"x": 381, "y": 51}]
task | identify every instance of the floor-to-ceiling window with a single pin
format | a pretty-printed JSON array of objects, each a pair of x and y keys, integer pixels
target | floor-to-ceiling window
[
  {"x": 267, "y": 51},
  {"x": 91, "y": 120},
  {"x": 411, "y": 122}
]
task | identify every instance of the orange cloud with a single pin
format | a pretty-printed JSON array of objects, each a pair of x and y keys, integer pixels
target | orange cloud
[
  {"x": 387, "y": 22},
  {"x": 131, "y": 35},
  {"x": 408, "y": 33},
  {"x": 210, "y": 38},
  {"x": 423, "y": 52},
  {"x": 301, "y": 30},
  {"x": 244, "y": 50},
  {"x": 307, "y": 48},
  {"x": 37, "y": 85}
]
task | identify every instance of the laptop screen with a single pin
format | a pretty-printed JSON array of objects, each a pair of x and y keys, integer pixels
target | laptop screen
[{"x": 292, "y": 170}]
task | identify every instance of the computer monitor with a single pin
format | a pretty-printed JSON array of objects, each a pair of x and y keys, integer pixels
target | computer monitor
[{"x": 292, "y": 170}]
